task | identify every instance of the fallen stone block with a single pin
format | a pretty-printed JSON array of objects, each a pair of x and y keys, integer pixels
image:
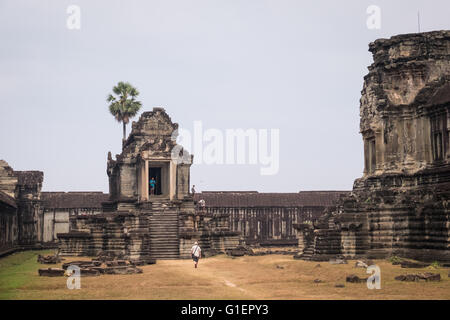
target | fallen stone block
[
  {"x": 353, "y": 278},
  {"x": 137, "y": 262},
  {"x": 96, "y": 263},
  {"x": 89, "y": 272},
  {"x": 101, "y": 270},
  {"x": 338, "y": 261},
  {"x": 80, "y": 264},
  {"x": 122, "y": 262},
  {"x": 407, "y": 277},
  {"x": 340, "y": 285},
  {"x": 411, "y": 264},
  {"x": 109, "y": 256},
  {"x": 116, "y": 263},
  {"x": 51, "y": 259},
  {"x": 51, "y": 272},
  {"x": 427, "y": 276},
  {"x": 236, "y": 252},
  {"x": 122, "y": 270}
]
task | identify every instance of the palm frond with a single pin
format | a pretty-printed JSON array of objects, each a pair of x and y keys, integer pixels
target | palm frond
[{"x": 124, "y": 105}]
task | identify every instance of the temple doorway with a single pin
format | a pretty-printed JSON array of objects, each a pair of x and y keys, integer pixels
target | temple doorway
[{"x": 155, "y": 172}]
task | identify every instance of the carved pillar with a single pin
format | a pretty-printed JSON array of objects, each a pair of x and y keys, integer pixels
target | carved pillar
[{"x": 145, "y": 184}]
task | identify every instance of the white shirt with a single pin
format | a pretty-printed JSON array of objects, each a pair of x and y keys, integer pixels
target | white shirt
[{"x": 196, "y": 250}]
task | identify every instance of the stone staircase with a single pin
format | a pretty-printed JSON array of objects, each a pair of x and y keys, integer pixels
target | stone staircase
[
  {"x": 164, "y": 242},
  {"x": 308, "y": 252}
]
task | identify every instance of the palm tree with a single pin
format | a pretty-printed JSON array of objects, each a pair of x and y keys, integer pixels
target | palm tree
[{"x": 124, "y": 105}]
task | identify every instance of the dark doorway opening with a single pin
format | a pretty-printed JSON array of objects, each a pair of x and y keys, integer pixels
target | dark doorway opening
[{"x": 156, "y": 174}]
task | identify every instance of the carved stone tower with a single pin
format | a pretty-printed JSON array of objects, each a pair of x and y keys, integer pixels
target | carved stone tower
[
  {"x": 400, "y": 206},
  {"x": 148, "y": 221},
  {"x": 149, "y": 152}
]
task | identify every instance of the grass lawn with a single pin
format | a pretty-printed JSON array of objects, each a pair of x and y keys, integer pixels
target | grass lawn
[{"x": 220, "y": 277}]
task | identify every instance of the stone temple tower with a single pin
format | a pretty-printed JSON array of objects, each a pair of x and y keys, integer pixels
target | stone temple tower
[
  {"x": 400, "y": 206},
  {"x": 139, "y": 223},
  {"x": 149, "y": 152}
]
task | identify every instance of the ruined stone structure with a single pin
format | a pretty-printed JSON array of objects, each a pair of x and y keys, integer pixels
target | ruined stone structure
[
  {"x": 229, "y": 217},
  {"x": 138, "y": 224},
  {"x": 20, "y": 202},
  {"x": 59, "y": 209},
  {"x": 269, "y": 218},
  {"x": 400, "y": 206}
]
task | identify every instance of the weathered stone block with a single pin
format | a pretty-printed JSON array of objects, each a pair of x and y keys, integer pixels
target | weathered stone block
[{"x": 51, "y": 272}]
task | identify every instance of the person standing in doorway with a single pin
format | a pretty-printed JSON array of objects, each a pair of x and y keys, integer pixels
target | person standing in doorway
[
  {"x": 196, "y": 253},
  {"x": 152, "y": 186}
]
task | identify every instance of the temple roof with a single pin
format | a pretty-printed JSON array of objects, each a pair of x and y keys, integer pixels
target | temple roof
[
  {"x": 442, "y": 95},
  {"x": 256, "y": 199},
  {"x": 29, "y": 178},
  {"x": 71, "y": 200},
  {"x": 7, "y": 200}
]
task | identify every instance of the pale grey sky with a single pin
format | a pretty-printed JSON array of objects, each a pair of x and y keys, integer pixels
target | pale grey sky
[{"x": 293, "y": 65}]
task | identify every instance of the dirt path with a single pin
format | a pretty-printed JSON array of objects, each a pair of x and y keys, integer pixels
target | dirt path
[{"x": 220, "y": 277}]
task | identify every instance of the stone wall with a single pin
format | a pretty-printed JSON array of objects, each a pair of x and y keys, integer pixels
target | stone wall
[
  {"x": 401, "y": 204},
  {"x": 9, "y": 233},
  {"x": 137, "y": 224},
  {"x": 268, "y": 218},
  {"x": 60, "y": 208},
  {"x": 20, "y": 218},
  {"x": 120, "y": 233}
]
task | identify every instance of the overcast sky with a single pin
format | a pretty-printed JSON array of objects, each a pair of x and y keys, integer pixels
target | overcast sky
[{"x": 292, "y": 65}]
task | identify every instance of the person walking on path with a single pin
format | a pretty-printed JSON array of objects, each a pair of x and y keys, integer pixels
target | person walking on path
[{"x": 196, "y": 253}]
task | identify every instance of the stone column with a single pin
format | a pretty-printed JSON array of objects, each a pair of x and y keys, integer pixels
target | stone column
[{"x": 145, "y": 184}]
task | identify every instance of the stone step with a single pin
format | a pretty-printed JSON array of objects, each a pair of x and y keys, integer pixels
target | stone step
[
  {"x": 163, "y": 232},
  {"x": 158, "y": 244},
  {"x": 165, "y": 253},
  {"x": 164, "y": 248},
  {"x": 167, "y": 225},
  {"x": 163, "y": 227},
  {"x": 171, "y": 223}
]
